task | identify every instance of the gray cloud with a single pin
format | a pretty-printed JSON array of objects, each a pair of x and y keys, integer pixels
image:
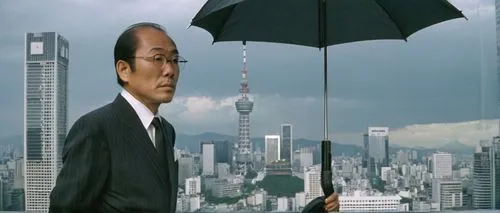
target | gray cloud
[{"x": 437, "y": 76}]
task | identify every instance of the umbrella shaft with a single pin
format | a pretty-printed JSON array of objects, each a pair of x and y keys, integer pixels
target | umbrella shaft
[
  {"x": 325, "y": 94},
  {"x": 323, "y": 36}
]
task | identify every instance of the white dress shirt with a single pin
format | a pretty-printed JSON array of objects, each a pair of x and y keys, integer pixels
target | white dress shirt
[{"x": 145, "y": 115}]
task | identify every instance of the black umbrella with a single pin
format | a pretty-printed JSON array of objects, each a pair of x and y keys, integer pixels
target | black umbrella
[{"x": 320, "y": 23}]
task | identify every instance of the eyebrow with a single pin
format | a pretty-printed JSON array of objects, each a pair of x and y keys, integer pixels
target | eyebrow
[{"x": 174, "y": 51}]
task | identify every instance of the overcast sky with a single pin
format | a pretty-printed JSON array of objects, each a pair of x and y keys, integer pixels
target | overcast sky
[{"x": 430, "y": 90}]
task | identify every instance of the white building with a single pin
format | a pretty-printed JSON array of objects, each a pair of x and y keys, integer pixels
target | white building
[
  {"x": 312, "y": 183},
  {"x": 442, "y": 165},
  {"x": 208, "y": 161},
  {"x": 194, "y": 203},
  {"x": 193, "y": 186},
  {"x": 385, "y": 173},
  {"x": 272, "y": 148},
  {"x": 300, "y": 199},
  {"x": 283, "y": 204},
  {"x": 448, "y": 193},
  {"x": 306, "y": 157},
  {"x": 45, "y": 114},
  {"x": 371, "y": 203}
]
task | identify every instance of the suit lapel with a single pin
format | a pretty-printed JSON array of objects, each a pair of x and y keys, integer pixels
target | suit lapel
[
  {"x": 128, "y": 116},
  {"x": 169, "y": 149},
  {"x": 170, "y": 161}
]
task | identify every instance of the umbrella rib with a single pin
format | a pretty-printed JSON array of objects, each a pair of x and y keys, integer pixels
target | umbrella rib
[{"x": 393, "y": 20}]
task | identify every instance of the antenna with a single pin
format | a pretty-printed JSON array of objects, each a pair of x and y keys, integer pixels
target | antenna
[{"x": 244, "y": 81}]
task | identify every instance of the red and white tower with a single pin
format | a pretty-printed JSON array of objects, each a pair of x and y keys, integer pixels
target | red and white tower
[{"x": 244, "y": 107}]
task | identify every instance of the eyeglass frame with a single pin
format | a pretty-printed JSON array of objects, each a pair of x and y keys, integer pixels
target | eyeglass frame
[{"x": 152, "y": 58}]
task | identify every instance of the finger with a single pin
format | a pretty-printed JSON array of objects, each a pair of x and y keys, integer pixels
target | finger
[
  {"x": 329, "y": 199},
  {"x": 335, "y": 196},
  {"x": 335, "y": 207},
  {"x": 331, "y": 209},
  {"x": 330, "y": 205}
]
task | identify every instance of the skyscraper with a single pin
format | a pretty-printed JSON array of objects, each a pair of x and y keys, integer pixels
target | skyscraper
[
  {"x": 448, "y": 193},
  {"x": 485, "y": 175},
  {"x": 45, "y": 114},
  {"x": 286, "y": 143},
  {"x": 312, "y": 183},
  {"x": 223, "y": 152},
  {"x": 208, "y": 152},
  {"x": 272, "y": 148},
  {"x": 378, "y": 149},
  {"x": 442, "y": 165},
  {"x": 244, "y": 107},
  {"x": 365, "y": 156}
]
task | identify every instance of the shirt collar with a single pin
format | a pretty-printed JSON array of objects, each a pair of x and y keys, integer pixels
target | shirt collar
[{"x": 145, "y": 115}]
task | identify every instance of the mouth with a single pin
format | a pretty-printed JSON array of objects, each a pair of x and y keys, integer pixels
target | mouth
[{"x": 167, "y": 86}]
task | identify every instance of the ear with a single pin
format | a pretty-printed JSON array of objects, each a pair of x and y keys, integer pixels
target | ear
[{"x": 123, "y": 70}]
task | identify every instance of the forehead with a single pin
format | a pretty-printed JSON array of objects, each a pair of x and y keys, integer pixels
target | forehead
[{"x": 150, "y": 39}]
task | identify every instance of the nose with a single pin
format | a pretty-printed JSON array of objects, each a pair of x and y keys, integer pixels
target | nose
[{"x": 170, "y": 70}]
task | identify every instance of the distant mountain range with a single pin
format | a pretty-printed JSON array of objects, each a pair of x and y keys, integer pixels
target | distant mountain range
[{"x": 192, "y": 143}]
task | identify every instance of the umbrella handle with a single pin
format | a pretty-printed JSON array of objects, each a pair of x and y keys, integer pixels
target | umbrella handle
[
  {"x": 326, "y": 168},
  {"x": 326, "y": 183}
]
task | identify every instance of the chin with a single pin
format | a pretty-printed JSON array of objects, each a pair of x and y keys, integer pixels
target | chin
[{"x": 166, "y": 98}]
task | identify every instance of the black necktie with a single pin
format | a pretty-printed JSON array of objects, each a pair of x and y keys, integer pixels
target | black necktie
[{"x": 159, "y": 139}]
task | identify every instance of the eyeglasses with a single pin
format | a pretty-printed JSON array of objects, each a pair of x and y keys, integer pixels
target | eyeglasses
[{"x": 161, "y": 60}]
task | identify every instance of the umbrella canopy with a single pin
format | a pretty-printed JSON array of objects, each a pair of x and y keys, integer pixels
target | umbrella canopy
[
  {"x": 320, "y": 23},
  {"x": 298, "y": 21}
]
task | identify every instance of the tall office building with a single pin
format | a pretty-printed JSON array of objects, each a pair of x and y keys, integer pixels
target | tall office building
[
  {"x": 45, "y": 114},
  {"x": 312, "y": 183},
  {"x": 378, "y": 149},
  {"x": 448, "y": 193},
  {"x": 442, "y": 165},
  {"x": 486, "y": 175},
  {"x": 286, "y": 145},
  {"x": 365, "y": 156},
  {"x": 272, "y": 148},
  {"x": 186, "y": 168},
  {"x": 208, "y": 161},
  {"x": 223, "y": 152},
  {"x": 306, "y": 157}
]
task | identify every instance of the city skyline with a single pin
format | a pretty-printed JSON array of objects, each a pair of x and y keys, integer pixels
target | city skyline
[
  {"x": 431, "y": 71},
  {"x": 387, "y": 97}
]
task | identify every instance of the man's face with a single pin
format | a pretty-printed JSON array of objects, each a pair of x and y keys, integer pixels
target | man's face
[{"x": 152, "y": 81}]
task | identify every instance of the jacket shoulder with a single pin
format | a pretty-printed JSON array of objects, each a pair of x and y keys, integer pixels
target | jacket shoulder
[{"x": 98, "y": 115}]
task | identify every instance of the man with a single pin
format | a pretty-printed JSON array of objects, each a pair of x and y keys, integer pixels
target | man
[{"x": 119, "y": 158}]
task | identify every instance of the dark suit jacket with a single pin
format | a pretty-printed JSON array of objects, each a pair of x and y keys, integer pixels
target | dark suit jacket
[{"x": 111, "y": 165}]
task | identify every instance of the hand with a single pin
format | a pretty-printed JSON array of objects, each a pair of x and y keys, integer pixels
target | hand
[{"x": 332, "y": 203}]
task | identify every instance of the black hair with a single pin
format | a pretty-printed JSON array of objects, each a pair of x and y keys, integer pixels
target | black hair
[{"x": 127, "y": 44}]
